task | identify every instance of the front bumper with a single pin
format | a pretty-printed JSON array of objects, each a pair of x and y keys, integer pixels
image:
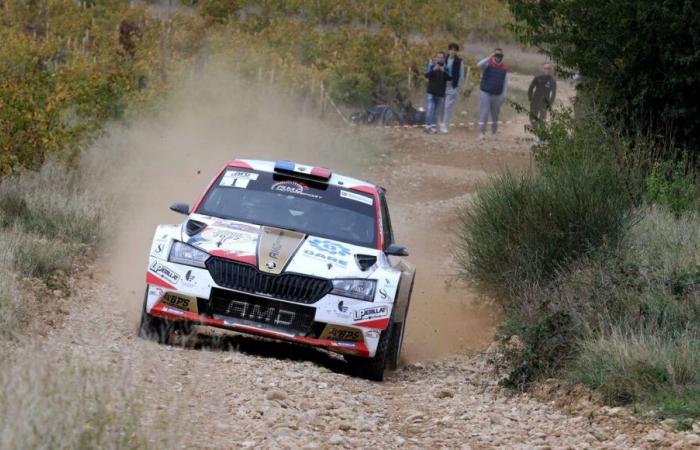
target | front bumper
[{"x": 339, "y": 324}]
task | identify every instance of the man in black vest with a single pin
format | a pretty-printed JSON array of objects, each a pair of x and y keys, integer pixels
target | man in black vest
[
  {"x": 494, "y": 85},
  {"x": 542, "y": 92},
  {"x": 455, "y": 68},
  {"x": 437, "y": 76}
]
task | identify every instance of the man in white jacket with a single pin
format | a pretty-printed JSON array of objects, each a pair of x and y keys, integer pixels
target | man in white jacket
[{"x": 455, "y": 67}]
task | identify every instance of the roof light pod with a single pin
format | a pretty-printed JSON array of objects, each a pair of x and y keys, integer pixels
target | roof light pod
[{"x": 290, "y": 168}]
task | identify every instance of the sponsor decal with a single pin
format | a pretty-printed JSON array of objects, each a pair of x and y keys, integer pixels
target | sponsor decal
[
  {"x": 235, "y": 226},
  {"x": 357, "y": 197},
  {"x": 345, "y": 344},
  {"x": 221, "y": 236},
  {"x": 257, "y": 313},
  {"x": 276, "y": 248},
  {"x": 383, "y": 294},
  {"x": 237, "y": 178},
  {"x": 293, "y": 187},
  {"x": 328, "y": 251},
  {"x": 330, "y": 247},
  {"x": 337, "y": 333},
  {"x": 370, "y": 313},
  {"x": 342, "y": 307},
  {"x": 326, "y": 258},
  {"x": 155, "y": 291},
  {"x": 164, "y": 272},
  {"x": 159, "y": 248},
  {"x": 189, "y": 276},
  {"x": 181, "y": 301},
  {"x": 175, "y": 311}
]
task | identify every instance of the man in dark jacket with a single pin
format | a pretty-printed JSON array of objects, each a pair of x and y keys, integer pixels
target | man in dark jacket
[
  {"x": 455, "y": 67},
  {"x": 542, "y": 92},
  {"x": 494, "y": 85},
  {"x": 438, "y": 76}
]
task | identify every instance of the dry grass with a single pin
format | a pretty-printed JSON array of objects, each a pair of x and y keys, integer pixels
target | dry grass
[{"x": 66, "y": 402}]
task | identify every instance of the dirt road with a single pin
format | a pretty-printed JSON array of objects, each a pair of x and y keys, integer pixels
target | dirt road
[{"x": 243, "y": 392}]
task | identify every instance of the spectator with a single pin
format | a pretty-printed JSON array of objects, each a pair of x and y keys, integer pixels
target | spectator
[
  {"x": 541, "y": 94},
  {"x": 494, "y": 85},
  {"x": 455, "y": 68},
  {"x": 437, "y": 76}
]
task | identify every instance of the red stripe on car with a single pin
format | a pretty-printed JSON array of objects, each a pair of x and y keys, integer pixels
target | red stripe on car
[{"x": 152, "y": 279}]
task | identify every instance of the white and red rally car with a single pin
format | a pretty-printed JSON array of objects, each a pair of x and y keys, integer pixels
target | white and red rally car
[{"x": 284, "y": 251}]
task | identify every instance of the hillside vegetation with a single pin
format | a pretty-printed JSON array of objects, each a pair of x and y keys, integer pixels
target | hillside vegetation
[
  {"x": 595, "y": 256},
  {"x": 67, "y": 67}
]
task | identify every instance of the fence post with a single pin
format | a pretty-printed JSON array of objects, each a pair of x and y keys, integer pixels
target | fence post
[{"x": 323, "y": 100}]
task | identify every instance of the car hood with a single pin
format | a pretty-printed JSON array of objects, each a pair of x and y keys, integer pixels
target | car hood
[{"x": 274, "y": 250}]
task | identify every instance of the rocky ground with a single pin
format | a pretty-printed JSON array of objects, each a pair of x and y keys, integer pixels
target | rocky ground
[{"x": 240, "y": 392}]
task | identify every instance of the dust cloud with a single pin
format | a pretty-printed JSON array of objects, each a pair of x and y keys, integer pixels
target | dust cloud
[{"x": 212, "y": 118}]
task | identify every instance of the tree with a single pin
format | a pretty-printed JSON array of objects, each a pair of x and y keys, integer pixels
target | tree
[{"x": 639, "y": 59}]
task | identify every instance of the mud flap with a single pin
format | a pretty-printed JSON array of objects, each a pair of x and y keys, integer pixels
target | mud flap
[{"x": 401, "y": 305}]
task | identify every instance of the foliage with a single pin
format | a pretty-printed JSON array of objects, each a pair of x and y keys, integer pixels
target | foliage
[
  {"x": 362, "y": 51},
  {"x": 623, "y": 320},
  {"x": 523, "y": 228},
  {"x": 668, "y": 185},
  {"x": 639, "y": 60},
  {"x": 66, "y": 67}
]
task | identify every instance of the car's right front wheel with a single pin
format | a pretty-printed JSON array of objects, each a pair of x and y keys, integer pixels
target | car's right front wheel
[{"x": 373, "y": 368}]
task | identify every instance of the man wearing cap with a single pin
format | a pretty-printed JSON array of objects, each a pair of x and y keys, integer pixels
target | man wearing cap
[
  {"x": 494, "y": 85},
  {"x": 542, "y": 92}
]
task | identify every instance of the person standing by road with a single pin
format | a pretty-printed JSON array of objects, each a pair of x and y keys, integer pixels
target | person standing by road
[
  {"x": 437, "y": 76},
  {"x": 455, "y": 68},
  {"x": 541, "y": 94},
  {"x": 494, "y": 85}
]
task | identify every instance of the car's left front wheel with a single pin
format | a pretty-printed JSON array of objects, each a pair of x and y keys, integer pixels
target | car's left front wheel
[{"x": 154, "y": 328}]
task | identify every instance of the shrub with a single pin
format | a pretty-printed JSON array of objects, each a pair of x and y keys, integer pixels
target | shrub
[
  {"x": 624, "y": 320},
  {"x": 669, "y": 185},
  {"x": 521, "y": 229},
  {"x": 36, "y": 256},
  {"x": 52, "y": 202},
  {"x": 12, "y": 304},
  {"x": 642, "y": 366}
]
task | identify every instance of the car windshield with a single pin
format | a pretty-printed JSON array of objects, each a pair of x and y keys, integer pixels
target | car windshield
[{"x": 281, "y": 201}]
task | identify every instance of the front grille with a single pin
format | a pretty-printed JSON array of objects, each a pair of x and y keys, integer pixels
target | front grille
[
  {"x": 246, "y": 278},
  {"x": 262, "y": 312}
]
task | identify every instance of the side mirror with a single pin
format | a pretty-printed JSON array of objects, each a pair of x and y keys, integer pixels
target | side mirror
[
  {"x": 396, "y": 250},
  {"x": 182, "y": 208}
]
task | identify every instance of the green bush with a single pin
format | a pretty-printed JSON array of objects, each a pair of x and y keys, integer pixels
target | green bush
[
  {"x": 522, "y": 229},
  {"x": 669, "y": 185},
  {"x": 643, "y": 367},
  {"x": 634, "y": 59},
  {"x": 624, "y": 320}
]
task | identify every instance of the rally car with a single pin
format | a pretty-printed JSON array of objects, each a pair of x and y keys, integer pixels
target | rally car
[{"x": 285, "y": 251}]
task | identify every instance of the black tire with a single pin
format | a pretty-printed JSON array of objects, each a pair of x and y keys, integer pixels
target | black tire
[
  {"x": 154, "y": 328},
  {"x": 373, "y": 368},
  {"x": 397, "y": 335}
]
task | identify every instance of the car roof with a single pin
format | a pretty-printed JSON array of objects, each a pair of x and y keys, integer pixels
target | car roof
[{"x": 336, "y": 178}]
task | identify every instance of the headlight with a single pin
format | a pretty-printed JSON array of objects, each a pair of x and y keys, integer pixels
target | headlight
[
  {"x": 182, "y": 253},
  {"x": 359, "y": 289}
]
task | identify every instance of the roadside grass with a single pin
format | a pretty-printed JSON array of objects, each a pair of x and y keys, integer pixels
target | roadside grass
[
  {"x": 597, "y": 287},
  {"x": 66, "y": 402},
  {"x": 52, "y": 202}
]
